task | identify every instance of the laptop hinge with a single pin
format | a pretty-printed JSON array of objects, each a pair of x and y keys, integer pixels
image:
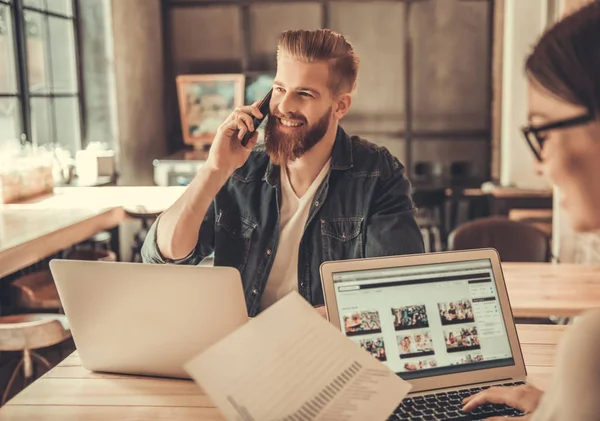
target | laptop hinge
[{"x": 465, "y": 386}]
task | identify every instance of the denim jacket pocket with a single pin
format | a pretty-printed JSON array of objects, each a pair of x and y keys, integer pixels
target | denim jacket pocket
[
  {"x": 235, "y": 237},
  {"x": 342, "y": 238}
]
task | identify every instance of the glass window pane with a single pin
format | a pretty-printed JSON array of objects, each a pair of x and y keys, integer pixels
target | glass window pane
[
  {"x": 10, "y": 126},
  {"x": 267, "y": 21},
  {"x": 38, "y": 4},
  {"x": 66, "y": 121},
  {"x": 41, "y": 129},
  {"x": 63, "y": 7},
  {"x": 8, "y": 75},
  {"x": 62, "y": 56},
  {"x": 37, "y": 60}
]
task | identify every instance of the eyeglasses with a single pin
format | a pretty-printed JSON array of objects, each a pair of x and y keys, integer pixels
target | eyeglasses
[{"x": 535, "y": 139}]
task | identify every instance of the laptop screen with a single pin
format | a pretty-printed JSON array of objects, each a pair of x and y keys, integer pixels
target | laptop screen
[{"x": 426, "y": 320}]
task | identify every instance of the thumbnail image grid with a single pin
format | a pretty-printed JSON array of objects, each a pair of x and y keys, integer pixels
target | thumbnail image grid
[
  {"x": 415, "y": 344},
  {"x": 410, "y": 317},
  {"x": 461, "y": 339},
  {"x": 467, "y": 359},
  {"x": 362, "y": 323},
  {"x": 375, "y": 347},
  {"x": 420, "y": 364},
  {"x": 455, "y": 312}
]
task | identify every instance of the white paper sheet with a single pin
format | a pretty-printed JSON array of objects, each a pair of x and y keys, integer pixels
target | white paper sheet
[{"x": 290, "y": 364}]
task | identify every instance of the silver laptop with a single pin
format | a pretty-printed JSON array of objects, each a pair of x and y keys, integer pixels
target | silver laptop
[
  {"x": 441, "y": 321},
  {"x": 147, "y": 319}
]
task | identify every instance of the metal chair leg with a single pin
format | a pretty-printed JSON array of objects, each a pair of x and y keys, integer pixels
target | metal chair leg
[
  {"x": 41, "y": 360},
  {"x": 11, "y": 381},
  {"x": 27, "y": 362}
]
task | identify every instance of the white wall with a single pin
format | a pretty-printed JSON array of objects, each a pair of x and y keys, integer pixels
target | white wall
[{"x": 524, "y": 22}]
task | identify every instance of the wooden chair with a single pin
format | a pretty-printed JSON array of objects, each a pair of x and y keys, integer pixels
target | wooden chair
[
  {"x": 26, "y": 333},
  {"x": 514, "y": 240},
  {"x": 36, "y": 291}
]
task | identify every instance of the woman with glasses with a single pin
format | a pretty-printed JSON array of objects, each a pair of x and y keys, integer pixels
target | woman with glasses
[{"x": 564, "y": 133}]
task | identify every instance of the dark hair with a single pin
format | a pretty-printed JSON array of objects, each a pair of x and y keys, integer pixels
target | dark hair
[{"x": 566, "y": 60}]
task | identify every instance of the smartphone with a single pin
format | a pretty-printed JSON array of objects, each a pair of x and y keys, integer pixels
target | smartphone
[{"x": 264, "y": 109}]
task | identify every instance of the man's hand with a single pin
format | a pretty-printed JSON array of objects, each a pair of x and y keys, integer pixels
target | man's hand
[
  {"x": 227, "y": 153},
  {"x": 524, "y": 398},
  {"x": 322, "y": 311}
]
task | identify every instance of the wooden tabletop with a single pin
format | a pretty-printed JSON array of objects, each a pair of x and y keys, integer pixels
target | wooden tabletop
[
  {"x": 530, "y": 214},
  {"x": 519, "y": 193},
  {"x": 548, "y": 289},
  {"x": 30, "y": 235},
  {"x": 35, "y": 229},
  {"x": 70, "y": 392}
]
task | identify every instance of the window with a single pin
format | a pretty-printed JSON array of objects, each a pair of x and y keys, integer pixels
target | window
[{"x": 39, "y": 85}]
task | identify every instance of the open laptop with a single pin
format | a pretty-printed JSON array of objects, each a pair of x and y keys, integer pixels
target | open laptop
[
  {"x": 147, "y": 319},
  {"x": 441, "y": 321}
]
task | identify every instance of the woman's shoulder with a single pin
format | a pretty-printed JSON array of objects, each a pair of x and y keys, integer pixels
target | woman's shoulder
[
  {"x": 577, "y": 368},
  {"x": 585, "y": 329}
]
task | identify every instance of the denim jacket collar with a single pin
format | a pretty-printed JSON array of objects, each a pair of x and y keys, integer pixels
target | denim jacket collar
[{"x": 341, "y": 158}]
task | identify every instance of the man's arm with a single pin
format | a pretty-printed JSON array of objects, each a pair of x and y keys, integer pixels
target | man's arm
[
  {"x": 178, "y": 228},
  {"x": 204, "y": 246},
  {"x": 392, "y": 229}
]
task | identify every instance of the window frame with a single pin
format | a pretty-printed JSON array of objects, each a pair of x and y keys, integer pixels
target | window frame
[{"x": 17, "y": 10}]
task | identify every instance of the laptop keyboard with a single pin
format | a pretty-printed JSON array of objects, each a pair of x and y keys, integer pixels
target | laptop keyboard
[{"x": 447, "y": 406}]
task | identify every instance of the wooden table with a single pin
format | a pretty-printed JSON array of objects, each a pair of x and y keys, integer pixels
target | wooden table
[
  {"x": 519, "y": 193},
  {"x": 531, "y": 214},
  {"x": 70, "y": 392},
  {"x": 35, "y": 229},
  {"x": 548, "y": 289},
  {"x": 539, "y": 218},
  {"x": 504, "y": 199}
]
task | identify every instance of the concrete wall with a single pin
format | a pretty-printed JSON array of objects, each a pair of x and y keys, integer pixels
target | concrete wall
[
  {"x": 139, "y": 76},
  {"x": 123, "y": 82}
]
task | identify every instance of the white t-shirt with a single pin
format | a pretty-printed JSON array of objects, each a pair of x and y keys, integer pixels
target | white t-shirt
[{"x": 283, "y": 278}]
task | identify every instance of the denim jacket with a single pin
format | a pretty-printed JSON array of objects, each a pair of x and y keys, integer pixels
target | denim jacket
[{"x": 363, "y": 208}]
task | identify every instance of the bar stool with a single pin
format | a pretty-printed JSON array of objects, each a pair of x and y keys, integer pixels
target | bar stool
[
  {"x": 145, "y": 216},
  {"x": 102, "y": 255},
  {"x": 26, "y": 333},
  {"x": 35, "y": 291},
  {"x": 100, "y": 240}
]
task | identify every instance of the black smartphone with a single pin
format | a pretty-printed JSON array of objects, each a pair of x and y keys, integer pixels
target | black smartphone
[{"x": 264, "y": 109}]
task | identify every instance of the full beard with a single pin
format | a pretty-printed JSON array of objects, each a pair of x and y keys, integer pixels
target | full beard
[{"x": 286, "y": 147}]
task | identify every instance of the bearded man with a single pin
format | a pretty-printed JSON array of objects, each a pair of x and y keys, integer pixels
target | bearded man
[{"x": 311, "y": 193}]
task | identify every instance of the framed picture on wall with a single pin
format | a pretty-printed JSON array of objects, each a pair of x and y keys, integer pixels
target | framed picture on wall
[{"x": 205, "y": 101}]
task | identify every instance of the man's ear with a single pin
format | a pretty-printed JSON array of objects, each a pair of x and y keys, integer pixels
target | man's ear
[{"x": 342, "y": 105}]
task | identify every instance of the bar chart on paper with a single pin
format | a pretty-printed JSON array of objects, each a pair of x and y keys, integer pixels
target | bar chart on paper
[
  {"x": 306, "y": 372},
  {"x": 311, "y": 409}
]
